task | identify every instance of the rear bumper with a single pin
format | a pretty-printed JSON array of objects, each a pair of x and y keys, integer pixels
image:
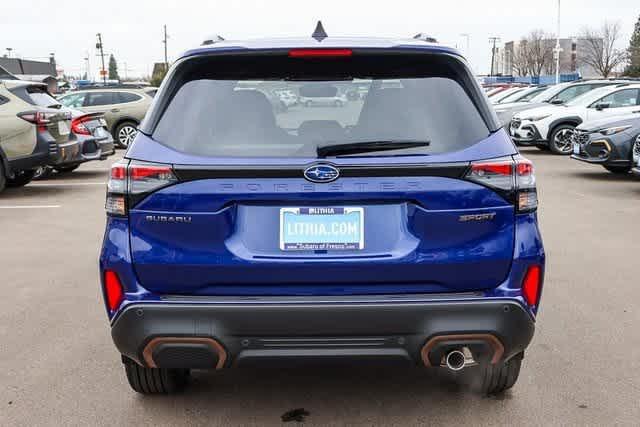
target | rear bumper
[
  {"x": 69, "y": 153},
  {"x": 212, "y": 335}
]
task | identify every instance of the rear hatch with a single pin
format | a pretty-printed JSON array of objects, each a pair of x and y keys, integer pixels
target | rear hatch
[
  {"x": 47, "y": 113},
  {"x": 230, "y": 195}
]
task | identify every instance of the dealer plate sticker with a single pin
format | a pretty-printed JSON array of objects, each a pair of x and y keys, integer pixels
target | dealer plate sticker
[{"x": 321, "y": 228}]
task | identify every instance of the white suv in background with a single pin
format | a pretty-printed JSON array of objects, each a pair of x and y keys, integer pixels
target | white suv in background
[{"x": 553, "y": 126}]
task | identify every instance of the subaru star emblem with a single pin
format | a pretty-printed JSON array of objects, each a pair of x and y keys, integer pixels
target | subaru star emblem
[{"x": 321, "y": 173}]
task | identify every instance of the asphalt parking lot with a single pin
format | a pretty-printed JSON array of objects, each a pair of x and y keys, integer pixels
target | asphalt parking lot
[{"x": 58, "y": 365}]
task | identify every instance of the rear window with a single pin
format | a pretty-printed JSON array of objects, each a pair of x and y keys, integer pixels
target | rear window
[
  {"x": 35, "y": 95},
  {"x": 96, "y": 99},
  {"x": 124, "y": 97},
  {"x": 288, "y": 107}
]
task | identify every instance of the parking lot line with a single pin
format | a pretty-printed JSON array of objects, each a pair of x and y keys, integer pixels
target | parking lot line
[
  {"x": 29, "y": 206},
  {"x": 64, "y": 184}
]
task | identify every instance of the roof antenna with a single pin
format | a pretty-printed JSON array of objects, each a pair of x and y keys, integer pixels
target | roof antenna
[{"x": 319, "y": 33}]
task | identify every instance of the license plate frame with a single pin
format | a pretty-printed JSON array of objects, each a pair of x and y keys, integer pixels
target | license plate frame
[
  {"x": 63, "y": 128},
  {"x": 321, "y": 228}
]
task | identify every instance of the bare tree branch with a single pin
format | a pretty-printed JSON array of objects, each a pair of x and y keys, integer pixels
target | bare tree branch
[{"x": 599, "y": 48}]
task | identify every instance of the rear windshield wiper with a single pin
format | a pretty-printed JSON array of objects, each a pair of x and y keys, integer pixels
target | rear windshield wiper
[{"x": 367, "y": 147}]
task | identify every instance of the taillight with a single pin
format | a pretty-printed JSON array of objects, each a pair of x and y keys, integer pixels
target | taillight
[
  {"x": 513, "y": 178},
  {"x": 131, "y": 181},
  {"x": 531, "y": 285},
  {"x": 39, "y": 118},
  {"x": 113, "y": 290},
  {"x": 78, "y": 125}
]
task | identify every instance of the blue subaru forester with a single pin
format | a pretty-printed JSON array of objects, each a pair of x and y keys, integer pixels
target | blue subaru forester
[{"x": 321, "y": 199}]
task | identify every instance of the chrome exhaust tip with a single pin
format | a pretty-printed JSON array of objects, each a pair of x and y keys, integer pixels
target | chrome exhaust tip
[{"x": 455, "y": 360}]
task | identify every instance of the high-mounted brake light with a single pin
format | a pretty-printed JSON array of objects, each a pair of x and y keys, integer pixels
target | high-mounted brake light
[
  {"x": 514, "y": 179},
  {"x": 319, "y": 53},
  {"x": 130, "y": 181},
  {"x": 113, "y": 290},
  {"x": 531, "y": 285}
]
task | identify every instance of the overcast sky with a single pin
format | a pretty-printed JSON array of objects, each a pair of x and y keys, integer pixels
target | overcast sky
[{"x": 132, "y": 30}]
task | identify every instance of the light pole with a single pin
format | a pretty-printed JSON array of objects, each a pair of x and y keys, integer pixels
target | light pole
[
  {"x": 9, "y": 49},
  {"x": 558, "y": 49}
]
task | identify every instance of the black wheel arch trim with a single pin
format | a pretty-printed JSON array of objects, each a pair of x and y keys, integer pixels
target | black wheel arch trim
[{"x": 572, "y": 121}]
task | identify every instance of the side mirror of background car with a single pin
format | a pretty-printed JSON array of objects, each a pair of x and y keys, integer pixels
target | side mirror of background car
[
  {"x": 557, "y": 102},
  {"x": 601, "y": 106}
]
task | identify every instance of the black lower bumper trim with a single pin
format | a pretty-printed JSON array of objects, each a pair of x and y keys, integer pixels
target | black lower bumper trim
[{"x": 251, "y": 331}]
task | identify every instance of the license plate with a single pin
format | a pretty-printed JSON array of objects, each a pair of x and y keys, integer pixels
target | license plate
[
  {"x": 576, "y": 148},
  {"x": 321, "y": 228},
  {"x": 63, "y": 128}
]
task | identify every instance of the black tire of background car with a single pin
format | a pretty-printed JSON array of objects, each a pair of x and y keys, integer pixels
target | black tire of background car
[
  {"x": 116, "y": 133},
  {"x": 43, "y": 172},
  {"x": 3, "y": 178},
  {"x": 618, "y": 170},
  {"x": 21, "y": 178},
  {"x": 501, "y": 376},
  {"x": 66, "y": 169},
  {"x": 552, "y": 138},
  {"x": 155, "y": 380}
]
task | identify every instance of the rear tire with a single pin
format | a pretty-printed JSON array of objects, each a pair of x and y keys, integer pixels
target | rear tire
[
  {"x": 499, "y": 377},
  {"x": 3, "y": 178},
  {"x": 21, "y": 178},
  {"x": 42, "y": 172},
  {"x": 125, "y": 133},
  {"x": 66, "y": 169},
  {"x": 155, "y": 380}
]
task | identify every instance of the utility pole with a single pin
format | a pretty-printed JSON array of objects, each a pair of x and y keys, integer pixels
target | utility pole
[
  {"x": 103, "y": 72},
  {"x": 493, "y": 40},
  {"x": 88, "y": 72},
  {"x": 166, "y": 59},
  {"x": 557, "y": 49}
]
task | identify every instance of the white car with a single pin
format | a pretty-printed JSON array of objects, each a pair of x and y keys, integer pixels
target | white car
[
  {"x": 556, "y": 94},
  {"x": 553, "y": 125}
]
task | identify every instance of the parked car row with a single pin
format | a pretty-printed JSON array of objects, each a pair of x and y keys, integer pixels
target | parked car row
[
  {"x": 593, "y": 121},
  {"x": 38, "y": 134},
  {"x": 123, "y": 106}
]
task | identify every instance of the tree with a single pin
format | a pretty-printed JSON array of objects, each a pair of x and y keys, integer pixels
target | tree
[
  {"x": 158, "y": 75},
  {"x": 519, "y": 58},
  {"x": 539, "y": 51},
  {"x": 599, "y": 48},
  {"x": 533, "y": 54},
  {"x": 633, "y": 52},
  {"x": 113, "y": 69}
]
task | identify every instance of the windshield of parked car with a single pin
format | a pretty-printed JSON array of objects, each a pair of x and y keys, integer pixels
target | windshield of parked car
[
  {"x": 524, "y": 96},
  {"x": 547, "y": 94},
  {"x": 291, "y": 108},
  {"x": 587, "y": 98}
]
